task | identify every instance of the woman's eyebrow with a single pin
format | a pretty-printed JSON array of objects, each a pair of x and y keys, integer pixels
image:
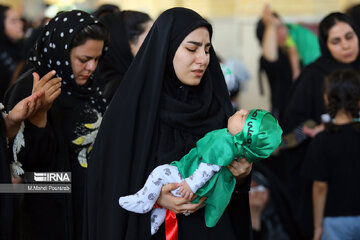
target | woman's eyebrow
[
  {"x": 337, "y": 38},
  {"x": 88, "y": 57},
  {"x": 349, "y": 32},
  {"x": 199, "y": 43},
  {"x": 85, "y": 56}
]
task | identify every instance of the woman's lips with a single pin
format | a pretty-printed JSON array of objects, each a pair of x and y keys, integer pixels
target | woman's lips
[
  {"x": 84, "y": 77},
  {"x": 198, "y": 73},
  {"x": 348, "y": 55}
]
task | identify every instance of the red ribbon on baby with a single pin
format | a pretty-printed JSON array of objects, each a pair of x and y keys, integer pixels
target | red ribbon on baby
[{"x": 171, "y": 226}]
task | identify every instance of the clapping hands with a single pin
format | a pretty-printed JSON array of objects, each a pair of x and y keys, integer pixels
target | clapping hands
[{"x": 51, "y": 88}]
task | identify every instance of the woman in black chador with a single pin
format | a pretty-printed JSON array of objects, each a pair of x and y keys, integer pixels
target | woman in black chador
[
  {"x": 11, "y": 46},
  {"x": 339, "y": 43},
  {"x": 9, "y": 126},
  {"x": 127, "y": 31},
  {"x": 172, "y": 94},
  {"x": 60, "y": 136}
]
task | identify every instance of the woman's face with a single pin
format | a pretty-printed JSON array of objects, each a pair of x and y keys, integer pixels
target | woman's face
[
  {"x": 192, "y": 57},
  {"x": 343, "y": 43},
  {"x": 13, "y": 25},
  {"x": 84, "y": 59},
  {"x": 237, "y": 121},
  {"x": 281, "y": 31},
  {"x": 134, "y": 47}
]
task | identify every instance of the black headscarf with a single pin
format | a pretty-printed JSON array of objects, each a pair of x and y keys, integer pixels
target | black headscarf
[
  {"x": 326, "y": 61},
  {"x": 52, "y": 52},
  {"x": 119, "y": 57},
  {"x": 105, "y": 9},
  {"x": 153, "y": 119}
]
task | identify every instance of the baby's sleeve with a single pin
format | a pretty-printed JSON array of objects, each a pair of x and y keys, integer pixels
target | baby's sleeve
[{"x": 201, "y": 175}]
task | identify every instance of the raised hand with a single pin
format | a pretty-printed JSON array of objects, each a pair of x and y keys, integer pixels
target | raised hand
[
  {"x": 51, "y": 88},
  {"x": 267, "y": 15}
]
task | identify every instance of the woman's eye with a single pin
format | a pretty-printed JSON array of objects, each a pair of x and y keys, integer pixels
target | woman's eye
[
  {"x": 349, "y": 36},
  {"x": 334, "y": 42},
  {"x": 191, "y": 50}
]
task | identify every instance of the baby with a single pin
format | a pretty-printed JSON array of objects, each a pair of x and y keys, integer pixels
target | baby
[{"x": 252, "y": 135}]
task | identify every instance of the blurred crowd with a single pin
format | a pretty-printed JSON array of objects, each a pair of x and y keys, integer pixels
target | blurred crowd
[{"x": 67, "y": 78}]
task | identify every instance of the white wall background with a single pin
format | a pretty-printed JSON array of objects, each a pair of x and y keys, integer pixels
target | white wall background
[{"x": 235, "y": 37}]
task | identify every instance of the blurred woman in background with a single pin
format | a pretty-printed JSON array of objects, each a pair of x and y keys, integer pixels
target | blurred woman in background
[
  {"x": 128, "y": 30},
  {"x": 11, "y": 34}
]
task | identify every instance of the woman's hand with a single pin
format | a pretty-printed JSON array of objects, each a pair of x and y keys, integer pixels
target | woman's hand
[
  {"x": 21, "y": 111},
  {"x": 312, "y": 132},
  {"x": 51, "y": 88},
  {"x": 267, "y": 16},
  {"x": 317, "y": 234},
  {"x": 48, "y": 84},
  {"x": 16, "y": 180},
  {"x": 25, "y": 108},
  {"x": 177, "y": 204},
  {"x": 240, "y": 168}
]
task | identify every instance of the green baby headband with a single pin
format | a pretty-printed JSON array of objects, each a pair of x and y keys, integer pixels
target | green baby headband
[{"x": 260, "y": 137}]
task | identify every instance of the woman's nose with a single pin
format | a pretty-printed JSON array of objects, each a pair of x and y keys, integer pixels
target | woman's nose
[
  {"x": 201, "y": 57},
  {"x": 91, "y": 65},
  {"x": 345, "y": 44}
]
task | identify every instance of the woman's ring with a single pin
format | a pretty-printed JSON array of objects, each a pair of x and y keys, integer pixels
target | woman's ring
[{"x": 186, "y": 213}]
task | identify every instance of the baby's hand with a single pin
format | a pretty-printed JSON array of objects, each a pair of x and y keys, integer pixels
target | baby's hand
[{"x": 185, "y": 191}]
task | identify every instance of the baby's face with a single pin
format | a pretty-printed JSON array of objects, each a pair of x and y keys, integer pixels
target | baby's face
[{"x": 236, "y": 122}]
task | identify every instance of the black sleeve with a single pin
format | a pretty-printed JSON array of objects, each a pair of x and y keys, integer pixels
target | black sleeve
[
  {"x": 4, "y": 154},
  {"x": 21, "y": 89},
  {"x": 39, "y": 150},
  {"x": 257, "y": 235},
  {"x": 239, "y": 210},
  {"x": 244, "y": 187}
]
